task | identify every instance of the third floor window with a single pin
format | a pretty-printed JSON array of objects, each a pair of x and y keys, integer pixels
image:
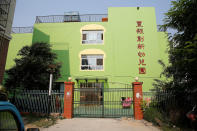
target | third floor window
[{"x": 92, "y": 37}]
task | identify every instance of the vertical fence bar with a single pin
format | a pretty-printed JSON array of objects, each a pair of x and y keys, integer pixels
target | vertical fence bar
[
  {"x": 36, "y": 101},
  {"x": 103, "y": 98}
]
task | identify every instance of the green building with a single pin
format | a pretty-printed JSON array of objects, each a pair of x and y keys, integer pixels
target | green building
[{"x": 109, "y": 48}]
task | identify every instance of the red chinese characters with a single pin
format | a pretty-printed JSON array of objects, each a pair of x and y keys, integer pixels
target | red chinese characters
[
  {"x": 141, "y": 54},
  {"x": 140, "y": 38},
  {"x": 139, "y": 24},
  {"x": 140, "y": 47},
  {"x": 142, "y": 70},
  {"x": 140, "y": 31},
  {"x": 141, "y": 62}
]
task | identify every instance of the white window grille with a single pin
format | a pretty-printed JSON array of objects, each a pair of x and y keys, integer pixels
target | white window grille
[
  {"x": 91, "y": 62},
  {"x": 92, "y": 37}
]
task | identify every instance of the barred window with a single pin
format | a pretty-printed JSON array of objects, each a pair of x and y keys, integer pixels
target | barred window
[
  {"x": 92, "y": 37},
  {"x": 91, "y": 62}
]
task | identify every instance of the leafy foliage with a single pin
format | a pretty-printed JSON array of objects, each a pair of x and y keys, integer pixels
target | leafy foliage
[
  {"x": 32, "y": 68},
  {"x": 182, "y": 70},
  {"x": 152, "y": 114}
]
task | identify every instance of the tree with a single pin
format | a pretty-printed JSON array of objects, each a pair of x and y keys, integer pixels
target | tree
[
  {"x": 32, "y": 68},
  {"x": 182, "y": 70},
  {"x": 183, "y": 46}
]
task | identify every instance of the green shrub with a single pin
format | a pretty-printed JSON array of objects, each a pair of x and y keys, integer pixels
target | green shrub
[{"x": 151, "y": 114}]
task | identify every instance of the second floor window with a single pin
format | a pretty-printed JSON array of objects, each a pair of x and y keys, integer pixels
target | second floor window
[
  {"x": 92, "y": 37},
  {"x": 91, "y": 62}
]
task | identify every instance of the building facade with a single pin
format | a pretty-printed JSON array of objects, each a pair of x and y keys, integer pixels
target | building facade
[
  {"x": 7, "y": 8},
  {"x": 109, "y": 48}
]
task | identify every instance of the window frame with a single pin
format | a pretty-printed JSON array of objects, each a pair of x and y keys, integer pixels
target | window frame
[
  {"x": 15, "y": 118},
  {"x": 85, "y": 35},
  {"x": 92, "y": 65}
]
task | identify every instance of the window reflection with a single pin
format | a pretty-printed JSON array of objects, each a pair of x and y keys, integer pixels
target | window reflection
[
  {"x": 92, "y": 37},
  {"x": 7, "y": 121},
  {"x": 91, "y": 62}
]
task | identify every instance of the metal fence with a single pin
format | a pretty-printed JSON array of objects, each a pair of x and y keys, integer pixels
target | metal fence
[
  {"x": 70, "y": 18},
  {"x": 160, "y": 99},
  {"x": 36, "y": 101},
  {"x": 17, "y": 30},
  {"x": 163, "y": 100},
  {"x": 99, "y": 99}
]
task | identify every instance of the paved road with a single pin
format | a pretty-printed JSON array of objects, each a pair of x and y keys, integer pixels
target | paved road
[{"x": 101, "y": 124}]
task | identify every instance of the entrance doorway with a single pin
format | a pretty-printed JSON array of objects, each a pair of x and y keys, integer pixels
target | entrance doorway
[{"x": 91, "y": 93}]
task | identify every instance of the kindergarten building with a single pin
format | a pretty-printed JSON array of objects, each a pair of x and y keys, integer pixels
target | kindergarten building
[{"x": 100, "y": 48}]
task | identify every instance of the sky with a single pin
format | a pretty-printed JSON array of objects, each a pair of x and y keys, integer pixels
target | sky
[{"x": 27, "y": 10}]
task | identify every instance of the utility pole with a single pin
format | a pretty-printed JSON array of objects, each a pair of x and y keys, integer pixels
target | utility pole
[{"x": 51, "y": 70}]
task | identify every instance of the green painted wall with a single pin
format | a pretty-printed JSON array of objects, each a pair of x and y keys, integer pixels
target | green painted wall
[
  {"x": 120, "y": 46},
  {"x": 17, "y": 42},
  {"x": 163, "y": 43}
]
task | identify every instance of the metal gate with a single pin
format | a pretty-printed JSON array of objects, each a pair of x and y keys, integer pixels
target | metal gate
[{"x": 103, "y": 100}]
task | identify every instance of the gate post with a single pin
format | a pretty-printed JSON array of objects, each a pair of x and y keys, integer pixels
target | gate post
[
  {"x": 68, "y": 99},
  {"x": 137, "y": 98}
]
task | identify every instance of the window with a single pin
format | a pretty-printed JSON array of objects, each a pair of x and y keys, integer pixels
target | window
[
  {"x": 92, "y": 36},
  {"x": 91, "y": 62},
  {"x": 59, "y": 86},
  {"x": 8, "y": 121}
]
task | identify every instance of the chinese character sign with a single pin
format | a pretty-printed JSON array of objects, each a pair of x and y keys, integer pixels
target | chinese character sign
[{"x": 140, "y": 47}]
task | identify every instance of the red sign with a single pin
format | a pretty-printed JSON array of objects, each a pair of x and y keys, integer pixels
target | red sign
[
  {"x": 140, "y": 38},
  {"x": 139, "y": 24},
  {"x": 141, "y": 54},
  {"x": 140, "y": 31},
  {"x": 140, "y": 46},
  {"x": 142, "y": 70},
  {"x": 141, "y": 62}
]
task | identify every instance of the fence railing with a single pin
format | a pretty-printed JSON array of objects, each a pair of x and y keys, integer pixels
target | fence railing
[
  {"x": 36, "y": 101},
  {"x": 70, "y": 18},
  {"x": 18, "y": 30},
  {"x": 162, "y": 100}
]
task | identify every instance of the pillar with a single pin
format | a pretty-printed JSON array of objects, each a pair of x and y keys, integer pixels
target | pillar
[
  {"x": 68, "y": 100},
  {"x": 137, "y": 98}
]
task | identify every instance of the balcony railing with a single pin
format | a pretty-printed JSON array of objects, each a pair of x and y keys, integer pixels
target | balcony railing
[
  {"x": 5, "y": 1},
  {"x": 4, "y": 10},
  {"x": 18, "y": 30},
  {"x": 70, "y": 18}
]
